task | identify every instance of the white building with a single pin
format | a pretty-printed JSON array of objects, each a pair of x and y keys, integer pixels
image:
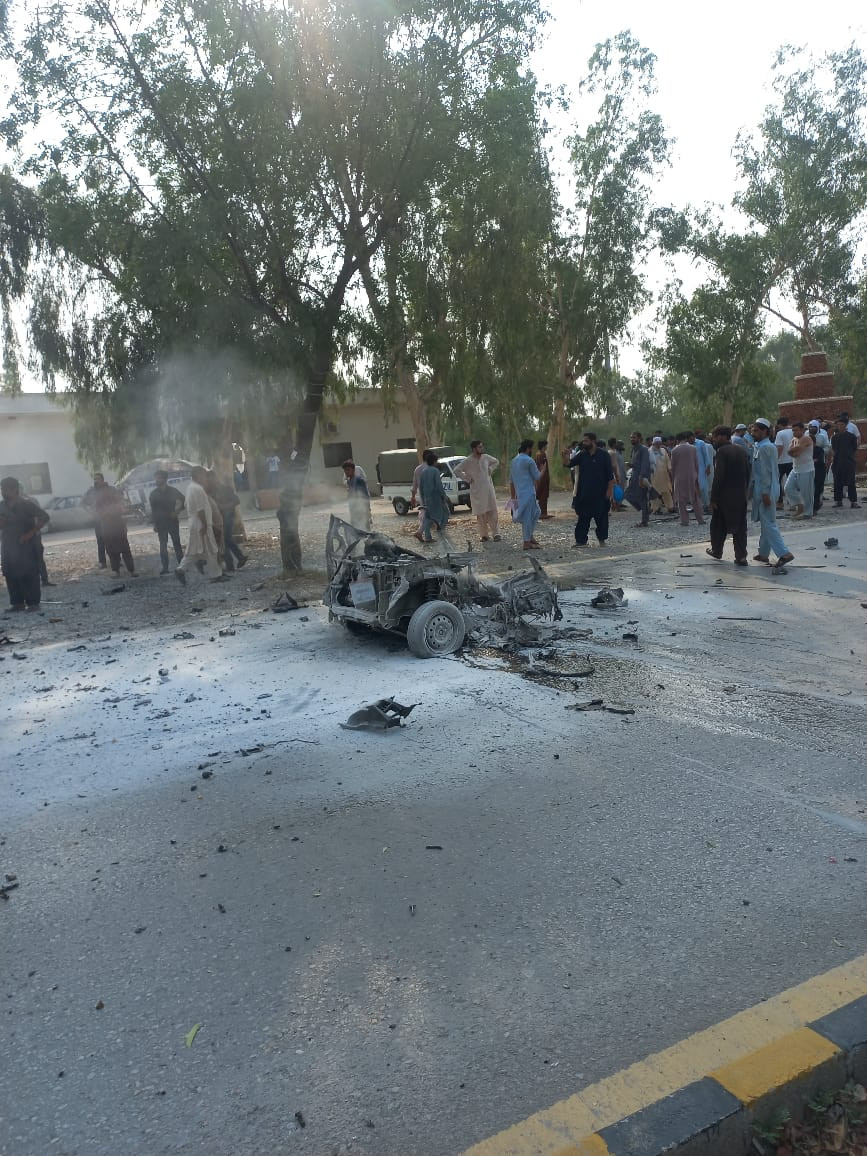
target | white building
[
  {"x": 37, "y": 446},
  {"x": 360, "y": 429},
  {"x": 37, "y": 441}
]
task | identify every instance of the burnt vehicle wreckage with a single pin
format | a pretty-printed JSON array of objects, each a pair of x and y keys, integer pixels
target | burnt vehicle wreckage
[{"x": 436, "y": 602}]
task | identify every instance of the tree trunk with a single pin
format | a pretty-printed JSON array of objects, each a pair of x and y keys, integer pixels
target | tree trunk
[
  {"x": 557, "y": 431},
  {"x": 415, "y": 403},
  {"x": 321, "y": 361}
]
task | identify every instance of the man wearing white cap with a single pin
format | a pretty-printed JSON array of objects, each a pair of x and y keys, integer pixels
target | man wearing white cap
[{"x": 765, "y": 490}]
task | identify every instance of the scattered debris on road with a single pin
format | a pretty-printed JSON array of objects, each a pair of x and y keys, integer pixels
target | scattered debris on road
[
  {"x": 382, "y": 715},
  {"x": 600, "y": 704},
  {"x": 831, "y": 543},
  {"x": 608, "y": 599},
  {"x": 282, "y": 604}
]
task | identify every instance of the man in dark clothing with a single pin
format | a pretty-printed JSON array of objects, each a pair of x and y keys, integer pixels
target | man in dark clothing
[
  {"x": 228, "y": 501},
  {"x": 728, "y": 496},
  {"x": 843, "y": 447},
  {"x": 20, "y": 523},
  {"x": 166, "y": 503},
  {"x": 89, "y": 500},
  {"x": 110, "y": 511},
  {"x": 594, "y": 486},
  {"x": 638, "y": 490},
  {"x": 543, "y": 486}
]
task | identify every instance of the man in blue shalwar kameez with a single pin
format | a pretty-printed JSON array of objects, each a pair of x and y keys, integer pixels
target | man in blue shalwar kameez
[
  {"x": 764, "y": 490},
  {"x": 523, "y": 475}
]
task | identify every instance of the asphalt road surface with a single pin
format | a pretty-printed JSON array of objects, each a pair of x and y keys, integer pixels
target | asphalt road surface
[{"x": 400, "y": 943}]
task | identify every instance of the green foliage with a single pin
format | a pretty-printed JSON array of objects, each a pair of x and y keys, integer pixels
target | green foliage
[
  {"x": 596, "y": 267},
  {"x": 457, "y": 294},
  {"x": 845, "y": 339},
  {"x": 212, "y": 176},
  {"x": 806, "y": 177}
]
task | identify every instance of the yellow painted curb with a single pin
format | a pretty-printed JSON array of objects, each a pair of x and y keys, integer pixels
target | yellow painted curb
[
  {"x": 774, "y": 1065},
  {"x": 570, "y": 1123}
]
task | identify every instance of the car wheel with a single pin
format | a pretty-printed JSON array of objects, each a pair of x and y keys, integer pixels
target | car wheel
[
  {"x": 401, "y": 506},
  {"x": 436, "y": 628},
  {"x": 451, "y": 505}
]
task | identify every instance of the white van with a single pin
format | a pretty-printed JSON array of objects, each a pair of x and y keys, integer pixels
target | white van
[{"x": 394, "y": 470}]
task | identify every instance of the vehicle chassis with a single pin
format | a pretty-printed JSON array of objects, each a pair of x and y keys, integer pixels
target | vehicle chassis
[{"x": 374, "y": 583}]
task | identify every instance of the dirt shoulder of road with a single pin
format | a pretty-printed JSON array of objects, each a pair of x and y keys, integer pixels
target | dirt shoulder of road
[{"x": 86, "y": 600}]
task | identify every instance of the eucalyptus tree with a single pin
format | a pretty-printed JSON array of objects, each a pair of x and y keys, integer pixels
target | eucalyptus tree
[
  {"x": 458, "y": 291},
  {"x": 805, "y": 180},
  {"x": 597, "y": 283},
  {"x": 213, "y": 175}
]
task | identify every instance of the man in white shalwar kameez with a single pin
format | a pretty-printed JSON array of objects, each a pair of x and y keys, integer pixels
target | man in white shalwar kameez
[
  {"x": 477, "y": 470},
  {"x": 202, "y": 544}
]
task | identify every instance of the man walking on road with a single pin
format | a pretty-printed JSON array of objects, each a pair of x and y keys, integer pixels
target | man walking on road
[
  {"x": 226, "y": 497},
  {"x": 728, "y": 497},
  {"x": 432, "y": 496},
  {"x": 684, "y": 476},
  {"x": 594, "y": 487},
  {"x": 202, "y": 543},
  {"x": 166, "y": 503},
  {"x": 765, "y": 486},
  {"x": 638, "y": 490},
  {"x": 476, "y": 470}
]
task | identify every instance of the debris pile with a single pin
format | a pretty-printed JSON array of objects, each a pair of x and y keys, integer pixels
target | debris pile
[
  {"x": 608, "y": 599},
  {"x": 382, "y": 715},
  {"x": 374, "y": 582}
]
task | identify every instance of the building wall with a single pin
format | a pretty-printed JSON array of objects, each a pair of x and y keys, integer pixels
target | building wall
[
  {"x": 34, "y": 430},
  {"x": 362, "y": 424}
]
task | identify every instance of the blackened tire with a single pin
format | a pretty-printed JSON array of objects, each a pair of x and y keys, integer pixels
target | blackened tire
[
  {"x": 401, "y": 506},
  {"x": 436, "y": 628}
]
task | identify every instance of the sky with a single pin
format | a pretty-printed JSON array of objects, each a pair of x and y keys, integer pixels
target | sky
[
  {"x": 713, "y": 71},
  {"x": 713, "y": 67}
]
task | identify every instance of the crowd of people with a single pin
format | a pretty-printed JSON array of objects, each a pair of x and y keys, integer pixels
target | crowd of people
[
  {"x": 212, "y": 506},
  {"x": 763, "y": 469},
  {"x": 721, "y": 476}
]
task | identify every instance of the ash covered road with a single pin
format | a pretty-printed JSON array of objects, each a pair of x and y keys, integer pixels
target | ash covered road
[{"x": 402, "y": 942}]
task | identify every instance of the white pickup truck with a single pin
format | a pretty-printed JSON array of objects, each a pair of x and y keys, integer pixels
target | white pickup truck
[{"x": 394, "y": 470}]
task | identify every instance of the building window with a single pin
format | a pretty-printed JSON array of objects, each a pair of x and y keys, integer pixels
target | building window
[
  {"x": 406, "y": 443},
  {"x": 336, "y": 453},
  {"x": 35, "y": 477}
]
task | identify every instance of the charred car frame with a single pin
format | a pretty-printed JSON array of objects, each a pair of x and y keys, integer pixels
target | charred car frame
[{"x": 375, "y": 584}]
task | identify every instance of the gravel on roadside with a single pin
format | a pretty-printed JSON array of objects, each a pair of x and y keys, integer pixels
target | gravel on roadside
[{"x": 82, "y": 602}]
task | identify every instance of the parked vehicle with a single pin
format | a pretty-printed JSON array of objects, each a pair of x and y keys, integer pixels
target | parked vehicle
[
  {"x": 394, "y": 470},
  {"x": 376, "y": 584},
  {"x": 136, "y": 486},
  {"x": 67, "y": 513}
]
